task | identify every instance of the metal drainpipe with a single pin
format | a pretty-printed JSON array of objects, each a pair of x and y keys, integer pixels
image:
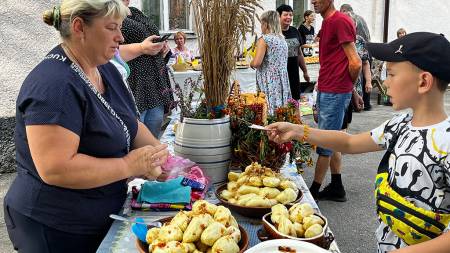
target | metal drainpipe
[{"x": 386, "y": 20}]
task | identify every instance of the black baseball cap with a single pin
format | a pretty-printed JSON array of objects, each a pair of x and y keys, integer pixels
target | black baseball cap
[{"x": 428, "y": 51}]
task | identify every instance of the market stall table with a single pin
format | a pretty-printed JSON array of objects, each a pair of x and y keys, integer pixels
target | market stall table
[{"x": 121, "y": 239}]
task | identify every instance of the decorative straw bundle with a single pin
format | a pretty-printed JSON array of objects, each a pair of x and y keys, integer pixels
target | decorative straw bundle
[{"x": 221, "y": 24}]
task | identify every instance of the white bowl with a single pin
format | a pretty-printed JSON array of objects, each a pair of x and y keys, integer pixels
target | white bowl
[{"x": 272, "y": 246}]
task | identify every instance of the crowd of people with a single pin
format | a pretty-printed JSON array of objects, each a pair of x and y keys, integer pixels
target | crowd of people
[{"x": 89, "y": 116}]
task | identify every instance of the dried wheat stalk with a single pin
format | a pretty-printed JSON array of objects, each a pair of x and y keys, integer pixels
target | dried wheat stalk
[{"x": 220, "y": 25}]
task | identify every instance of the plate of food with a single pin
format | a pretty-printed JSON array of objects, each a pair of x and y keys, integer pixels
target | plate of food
[
  {"x": 207, "y": 227},
  {"x": 285, "y": 246},
  {"x": 253, "y": 192}
]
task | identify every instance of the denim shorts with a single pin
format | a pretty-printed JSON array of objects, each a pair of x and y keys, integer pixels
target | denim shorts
[{"x": 331, "y": 108}]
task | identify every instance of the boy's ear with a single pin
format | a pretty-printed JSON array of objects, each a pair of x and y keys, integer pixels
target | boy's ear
[{"x": 426, "y": 82}]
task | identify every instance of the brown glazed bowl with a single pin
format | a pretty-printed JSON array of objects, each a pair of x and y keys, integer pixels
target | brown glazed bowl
[
  {"x": 252, "y": 212},
  {"x": 243, "y": 244},
  {"x": 269, "y": 232}
]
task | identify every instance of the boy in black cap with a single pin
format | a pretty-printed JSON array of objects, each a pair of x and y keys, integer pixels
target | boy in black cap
[{"x": 413, "y": 181}]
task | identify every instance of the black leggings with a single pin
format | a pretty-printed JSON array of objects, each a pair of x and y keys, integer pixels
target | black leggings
[{"x": 30, "y": 236}]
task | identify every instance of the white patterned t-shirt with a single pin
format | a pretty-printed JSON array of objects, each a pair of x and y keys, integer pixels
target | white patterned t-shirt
[{"x": 419, "y": 169}]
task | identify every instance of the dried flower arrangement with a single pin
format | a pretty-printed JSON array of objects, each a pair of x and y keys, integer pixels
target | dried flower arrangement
[
  {"x": 251, "y": 145},
  {"x": 220, "y": 26}
]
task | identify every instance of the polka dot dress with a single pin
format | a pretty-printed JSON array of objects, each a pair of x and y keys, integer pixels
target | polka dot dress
[{"x": 149, "y": 80}]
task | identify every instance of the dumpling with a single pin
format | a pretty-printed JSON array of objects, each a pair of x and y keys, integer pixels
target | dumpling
[
  {"x": 235, "y": 233},
  {"x": 314, "y": 230},
  {"x": 288, "y": 184},
  {"x": 299, "y": 230},
  {"x": 306, "y": 210},
  {"x": 232, "y": 186},
  {"x": 170, "y": 233},
  {"x": 286, "y": 196},
  {"x": 286, "y": 227},
  {"x": 242, "y": 200},
  {"x": 255, "y": 181},
  {"x": 242, "y": 180},
  {"x": 269, "y": 173},
  {"x": 271, "y": 182},
  {"x": 233, "y": 223},
  {"x": 181, "y": 220},
  {"x": 169, "y": 247},
  {"x": 195, "y": 229},
  {"x": 203, "y": 206},
  {"x": 225, "y": 244},
  {"x": 212, "y": 233},
  {"x": 311, "y": 220},
  {"x": 226, "y": 194},
  {"x": 233, "y": 201},
  {"x": 189, "y": 247},
  {"x": 246, "y": 189},
  {"x": 280, "y": 209},
  {"x": 269, "y": 192},
  {"x": 152, "y": 235},
  {"x": 233, "y": 176},
  {"x": 258, "y": 201},
  {"x": 295, "y": 215},
  {"x": 222, "y": 215}
]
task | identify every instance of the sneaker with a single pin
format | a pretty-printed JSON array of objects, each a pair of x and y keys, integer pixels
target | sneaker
[{"x": 333, "y": 193}]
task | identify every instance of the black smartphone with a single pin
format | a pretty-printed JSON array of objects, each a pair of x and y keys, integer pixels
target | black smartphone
[{"x": 162, "y": 38}]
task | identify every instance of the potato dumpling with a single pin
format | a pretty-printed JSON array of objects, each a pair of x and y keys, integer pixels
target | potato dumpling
[
  {"x": 233, "y": 176},
  {"x": 169, "y": 247},
  {"x": 242, "y": 200},
  {"x": 280, "y": 209},
  {"x": 195, "y": 229},
  {"x": 232, "y": 186},
  {"x": 152, "y": 235},
  {"x": 203, "y": 206},
  {"x": 226, "y": 194},
  {"x": 306, "y": 210},
  {"x": 288, "y": 184},
  {"x": 269, "y": 173},
  {"x": 273, "y": 182},
  {"x": 170, "y": 233},
  {"x": 311, "y": 220},
  {"x": 225, "y": 244},
  {"x": 314, "y": 230},
  {"x": 299, "y": 230},
  {"x": 234, "y": 232},
  {"x": 233, "y": 222},
  {"x": 286, "y": 227},
  {"x": 246, "y": 189},
  {"x": 269, "y": 192},
  {"x": 255, "y": 181},
  {"x": 233, "y": 201},
  {"x": 212, "y": 233},
  {"x": 258, "y": 201},
  {"x": 189, "y": 247},
  {"x": 222, "y": 215},
  {"x": 286, "y": 196},
  {"x": 181, "y": 220}
]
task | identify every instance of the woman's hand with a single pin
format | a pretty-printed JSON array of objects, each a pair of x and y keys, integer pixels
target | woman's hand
[
  {"x": 149, "y": 47},
  {"x": 147, "y": 160},
  {"x": 165, "y": 49},
  {"x": 368, "y": 87},
  {"x": 281, "y": 132}
]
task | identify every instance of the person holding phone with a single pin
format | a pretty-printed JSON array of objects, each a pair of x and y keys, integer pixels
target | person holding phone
[{"x": 149, "y": 79}]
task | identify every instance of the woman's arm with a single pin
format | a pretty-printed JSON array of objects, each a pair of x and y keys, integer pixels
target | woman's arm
[
  {"x": 367, "y": 76},
  {"x": 54, "y": 151},
  {"x": 130, "y": 51},
  {"x": 261, "y": 48},
  {"x": 144, "y": 137}
]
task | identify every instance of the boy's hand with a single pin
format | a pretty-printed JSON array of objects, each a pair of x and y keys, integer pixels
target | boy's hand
[{"x": 281, "y": 132}]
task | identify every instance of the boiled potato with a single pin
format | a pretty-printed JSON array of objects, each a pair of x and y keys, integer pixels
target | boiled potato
[
  {"x": 203, "y": 206},
  {"x": 212, "y": 233},
  {"x": 170, "y": 233},
  {"x": 225, "y": 244},
  {"x": 181, "y": 220},
  {"x": 295, "y": 215},
  {"x": 246, "y": 189},
  {"x": 314, "y": 230},
  {"x": 234, "y": 232},
  {"x": 258, "y": 201},
  {"x": 299, "y": 230},
  {"x": 280, "y": 209},
  {"x": 286, "y": 196},
  {"x": 288, "y": 184},
  {"x": 271, "y": 182},
  {"x": 195, "y": 229},
  {"x": 233, "y": 176},
  {"x": 189, "y": 247},
  {"x": 306, "y": 210},
  {"x": 269, "y": 192},
  {"x": 286, "y": 227},
  {"x": 222, "y": 215},
  {"x": 311, "y": 220}
]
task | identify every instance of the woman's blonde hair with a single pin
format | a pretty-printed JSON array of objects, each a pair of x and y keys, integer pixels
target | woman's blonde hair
[
  {"x": 182, "y": 34},
  {"x": 62, "y": 16},
  {"x": 272, "y": 20}
]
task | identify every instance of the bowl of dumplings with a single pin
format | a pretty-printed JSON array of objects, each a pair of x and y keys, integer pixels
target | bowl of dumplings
[
  {"x": 253, "y": 192},
  {"x": 207, "y": 228},
  {"x": 298, "y": 222}
]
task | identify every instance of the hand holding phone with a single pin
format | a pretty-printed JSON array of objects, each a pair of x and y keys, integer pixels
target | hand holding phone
[{"x": 162, "y": 38}]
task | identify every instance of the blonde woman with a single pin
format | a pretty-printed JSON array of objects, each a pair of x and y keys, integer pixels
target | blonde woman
[
  {"x": 78, "y": 137},
  {"x": 181, "y": 49},
  {"x": 271, "y": 61}
]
